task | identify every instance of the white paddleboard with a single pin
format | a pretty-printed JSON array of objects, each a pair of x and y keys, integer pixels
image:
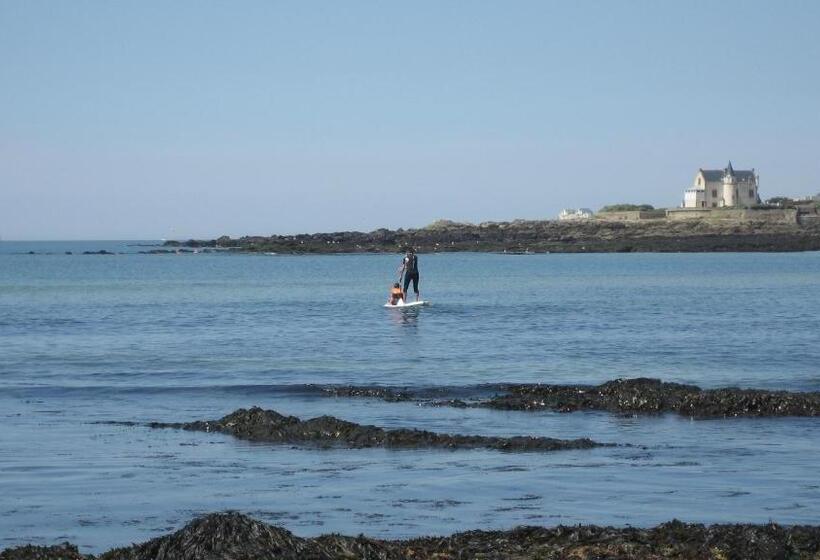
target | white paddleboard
[{"x": 403, "y": 305}]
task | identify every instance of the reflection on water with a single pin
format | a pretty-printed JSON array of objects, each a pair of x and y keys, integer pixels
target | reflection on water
[{"x": 407, "y": 317}]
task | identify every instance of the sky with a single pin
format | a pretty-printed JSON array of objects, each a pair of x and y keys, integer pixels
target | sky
[{"x": 153, "y": 119}]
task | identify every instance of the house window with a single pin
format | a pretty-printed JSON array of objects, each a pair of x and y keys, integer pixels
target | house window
[
  {"x": 751, "y": 193},
  {"x": 714, "y": 193},
  {"x": 698, "y": 181},
  {"x": 714, "y": 205}
]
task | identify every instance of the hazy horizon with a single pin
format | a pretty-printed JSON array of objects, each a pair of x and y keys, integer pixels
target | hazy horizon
[{"x": 141, "y": 121}]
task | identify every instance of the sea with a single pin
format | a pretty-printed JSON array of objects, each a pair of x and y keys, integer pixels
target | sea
[{"x": 87, "y": 340}]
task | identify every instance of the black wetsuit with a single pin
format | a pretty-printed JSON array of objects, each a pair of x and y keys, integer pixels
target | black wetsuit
[{"x": 411, "y": 272}]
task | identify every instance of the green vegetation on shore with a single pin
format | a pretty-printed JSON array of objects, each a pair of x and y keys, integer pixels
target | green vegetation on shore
[{"x": 627, "y": 208}]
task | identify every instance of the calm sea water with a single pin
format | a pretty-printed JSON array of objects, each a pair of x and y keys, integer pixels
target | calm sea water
[{"x": 87, "y": 338}]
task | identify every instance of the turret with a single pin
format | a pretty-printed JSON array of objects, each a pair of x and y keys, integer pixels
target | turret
[{"x": 729, "y": 186}]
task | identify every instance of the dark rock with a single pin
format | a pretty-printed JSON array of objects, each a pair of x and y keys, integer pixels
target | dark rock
[
  {"x": 165, "y": 251},
  {"x": 455, "y": 403},
  {"x": 654, "y": 396},
  {"x": 218, "y": 536},
  {"x": 233, "y": 536},
  {"x": 65, "y": 551},
  {"x": 631, "y": 396},
  {"x": 256, "y": 424},
  {"x": 670, "y": 540},
  {"x": 382, "y": 393},
  {"x": 523, "y": 236},
  {"x": 100, "y": 252}
]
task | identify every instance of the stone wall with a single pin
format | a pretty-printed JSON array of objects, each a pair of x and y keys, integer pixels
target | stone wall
[
  {"x": 631, "y": 215},
  {"x": 785, "y": 215},
  {"x": 808, "y": 214}
]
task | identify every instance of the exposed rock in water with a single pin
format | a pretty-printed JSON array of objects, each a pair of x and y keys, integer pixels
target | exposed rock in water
[
  {"x": 655, "y": 396},
  {"x": 256, "y": 424},
  {"x": 165, "y": 251},
  {"x": 642, "y": 395},
  {"x": 383, "y": 393},
  {"x": 65, "y": 551},
  {"x": 233, "y": 536},
  {"x": 221, "y": 536}
]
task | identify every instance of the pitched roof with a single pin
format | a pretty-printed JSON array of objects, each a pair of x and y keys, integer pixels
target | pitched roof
[{"x": 741, "y": 175}]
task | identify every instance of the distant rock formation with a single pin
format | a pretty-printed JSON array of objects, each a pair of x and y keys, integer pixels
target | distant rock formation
[{"x": 521, "y": 236}]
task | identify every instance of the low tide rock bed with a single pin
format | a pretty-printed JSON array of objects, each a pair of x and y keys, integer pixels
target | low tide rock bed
[
  {"x": 233, "y": 536},
  {"x": 654, "y": 396},
  {"x": 642, "y": 395},
  {"x": 256, "y": 424}
]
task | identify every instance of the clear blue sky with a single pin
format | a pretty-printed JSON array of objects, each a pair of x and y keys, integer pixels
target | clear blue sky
[{"x": 149, "y": 119}]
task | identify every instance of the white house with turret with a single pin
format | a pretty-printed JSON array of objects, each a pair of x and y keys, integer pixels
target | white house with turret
[{"x": 723, "y": 188}]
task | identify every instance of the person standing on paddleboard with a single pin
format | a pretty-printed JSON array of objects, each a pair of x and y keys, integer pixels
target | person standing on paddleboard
[{"x": 410, "y": 269}]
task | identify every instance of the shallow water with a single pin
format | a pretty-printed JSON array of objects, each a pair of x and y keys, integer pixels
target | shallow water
[{"x": 88, "y": 338}]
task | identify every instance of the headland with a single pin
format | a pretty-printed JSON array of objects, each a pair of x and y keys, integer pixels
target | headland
[{"x": 619, "y": 234}]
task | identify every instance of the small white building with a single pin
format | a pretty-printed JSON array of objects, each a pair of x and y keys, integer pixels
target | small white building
[
  {"x": 573, "y": 214},
  {"x": 723, "y": 188}
]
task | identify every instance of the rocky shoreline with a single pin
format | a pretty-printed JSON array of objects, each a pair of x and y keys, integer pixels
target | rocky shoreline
[
  {"x": 256, "y": 424},
  {"x": 523, "y": 236},
  {"x": 633, "y": 396},
  {"x": 234, "y": 536}
]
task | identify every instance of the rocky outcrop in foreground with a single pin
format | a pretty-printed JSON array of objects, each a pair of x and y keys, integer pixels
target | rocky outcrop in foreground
[
  {"x": 640, "y": 395},
  {"x": 233, "y": 536},
  {"x": 593, "y": 236},
  {"x": 256, "y": 424}
]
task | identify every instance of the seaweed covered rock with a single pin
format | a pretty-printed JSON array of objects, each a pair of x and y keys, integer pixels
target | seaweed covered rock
[
  {"x": 645, "y": 395},
  {"x": 670, "y": 540},
  {"x": 383, "y": 393},
  {"x": 749, "y": 402},
  {"x": 65, "y": 551},
  {"x": 233, "y": 536},
  {"x": 219, "y": 536},
  {"x": 639, "y": 395},
  {"x": 256, "y": 424}
]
